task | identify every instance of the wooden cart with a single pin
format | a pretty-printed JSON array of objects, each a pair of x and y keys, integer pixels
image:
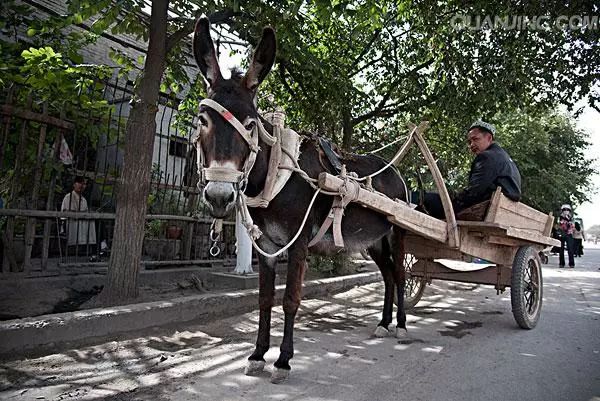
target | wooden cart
[{"x": 509, "y": 237}]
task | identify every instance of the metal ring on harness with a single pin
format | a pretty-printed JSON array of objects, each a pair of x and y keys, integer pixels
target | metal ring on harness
[{"x": 214, "y": 250}]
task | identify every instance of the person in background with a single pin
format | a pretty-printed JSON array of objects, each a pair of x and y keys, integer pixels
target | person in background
[
  {"x": 567, "y": 227},
  {"x": 579, "y": 237},
  {"x": 79, "y": 232}
]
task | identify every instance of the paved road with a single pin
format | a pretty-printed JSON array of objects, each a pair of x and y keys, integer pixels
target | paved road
[{"x": 463, "y": 345}]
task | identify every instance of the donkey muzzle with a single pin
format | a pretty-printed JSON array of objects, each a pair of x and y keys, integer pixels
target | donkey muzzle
[{"x": 220, "y": 198}]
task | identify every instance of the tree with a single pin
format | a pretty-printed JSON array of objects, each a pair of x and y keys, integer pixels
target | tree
[
  {"x": 164, "y": 37},
  {"x": 347, "y": 69}
]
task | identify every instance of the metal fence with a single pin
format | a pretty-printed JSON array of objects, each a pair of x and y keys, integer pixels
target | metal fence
[{"x": 60, "y": 167}]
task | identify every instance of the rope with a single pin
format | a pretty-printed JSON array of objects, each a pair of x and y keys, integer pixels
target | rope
[
  {"x": 285, "y": 248},
  {"x": 386, "y": 166},
  {"x": 385, "y": 146}
]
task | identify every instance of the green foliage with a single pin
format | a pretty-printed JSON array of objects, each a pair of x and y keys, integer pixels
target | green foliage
[
  {"x": 330, "y": 266},
  {"x": 53, "y": 80},
  {"x": 154, "y": 228},
  {"x": 548, "y": 149}
]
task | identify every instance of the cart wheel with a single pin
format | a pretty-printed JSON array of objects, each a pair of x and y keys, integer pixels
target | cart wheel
[
  {"x": 526, "y": 289},
  {"x": 413, "y": 287}
]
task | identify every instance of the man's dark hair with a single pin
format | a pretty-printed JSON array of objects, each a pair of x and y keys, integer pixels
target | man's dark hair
[{"x": 79, "y": 179}]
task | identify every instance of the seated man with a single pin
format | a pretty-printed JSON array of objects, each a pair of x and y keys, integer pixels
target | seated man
[{"x": 491, "y": 168}]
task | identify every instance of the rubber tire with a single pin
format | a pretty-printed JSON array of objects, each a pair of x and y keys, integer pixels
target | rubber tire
[
  {"x": 526, "y": 256},
  {"x": 411, "y": 301}
]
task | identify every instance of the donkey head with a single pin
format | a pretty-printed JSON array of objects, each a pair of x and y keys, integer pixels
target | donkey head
[{"x": 227, "y": 137}]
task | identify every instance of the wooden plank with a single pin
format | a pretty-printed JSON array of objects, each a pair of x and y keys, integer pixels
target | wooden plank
[
  {"x": 549, "y": 224},
  {"x": 404, "y": 150},
  {"x": 496, "y": 230},
  {"x": 482, "y": 226},
  {"x": 398, "y": 213},
  {"x": 494, "y": 204},
  {"x": 423, "y": 248},
  {"x": 9, "y": 110},
  {"x": 522, "y": 209},
  {"x": 453, "y": 236},
  {"x": 500, "y": 240},
  {"x": 51, "y": 214},
  {"x": 499, "y": 276},
  {"x": 511, "y": 218},
  {"x": 516, "y": 214},
  {"x": 529, "y": 237},
  {"x": 475, "y": 246}
]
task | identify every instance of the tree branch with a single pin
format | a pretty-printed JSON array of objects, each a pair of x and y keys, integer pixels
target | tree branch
[
  {"x": 366, "y": 49},
  {"x": 379, "y": 111},
  {"x": 281, "y": 70},
  {"x": 216, "y": 18}
]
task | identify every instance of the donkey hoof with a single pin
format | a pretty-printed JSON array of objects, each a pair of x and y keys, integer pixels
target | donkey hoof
[
  {"x": 381, "y": 332},
  {"x": 279, "y": 375},
  {"x": 401, "y": 333},
  {"x": 254, "y": 368}
]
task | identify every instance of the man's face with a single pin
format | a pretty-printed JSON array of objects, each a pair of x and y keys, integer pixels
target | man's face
[
  {"x": 78, "y": 187},
  {"x": 479, "y": 140}
]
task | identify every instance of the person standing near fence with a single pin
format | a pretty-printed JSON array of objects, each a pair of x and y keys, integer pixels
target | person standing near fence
[{"x": 79, "y": 232}]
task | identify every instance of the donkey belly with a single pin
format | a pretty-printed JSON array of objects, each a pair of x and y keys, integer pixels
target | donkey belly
[{"x": 361, "y": 228}]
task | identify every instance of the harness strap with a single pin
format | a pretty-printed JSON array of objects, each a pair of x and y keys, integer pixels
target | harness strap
[
  {"x": 348, "y": 193},
  {"x": 226, "y": 114},
  {"x": 223, "y": 174}
]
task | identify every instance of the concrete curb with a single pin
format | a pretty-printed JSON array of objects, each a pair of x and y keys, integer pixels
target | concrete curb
[{"x": 21, "y": 335}]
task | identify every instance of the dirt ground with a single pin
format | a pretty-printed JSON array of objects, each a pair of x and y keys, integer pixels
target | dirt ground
[{"x": 50, "y": 299}]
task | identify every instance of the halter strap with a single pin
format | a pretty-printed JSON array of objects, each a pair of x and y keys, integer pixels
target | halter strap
[{"x": 229, "y": 117}]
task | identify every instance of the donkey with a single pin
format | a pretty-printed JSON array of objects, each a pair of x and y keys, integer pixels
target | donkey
[{"x": 224, "y": 141}]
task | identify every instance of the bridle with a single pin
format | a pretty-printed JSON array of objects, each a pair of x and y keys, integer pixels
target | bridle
[{"x": 251, "y": 137}]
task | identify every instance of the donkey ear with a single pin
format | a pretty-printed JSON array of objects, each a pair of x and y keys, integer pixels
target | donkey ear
[
  {"x": 204, "y": 52},
  {"x": 263, "y": 59}
]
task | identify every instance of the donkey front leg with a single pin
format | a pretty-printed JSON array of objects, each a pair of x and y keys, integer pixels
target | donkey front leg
[
  {"x": 291, "y": 301},
  {"x": 266, "y": 296}
]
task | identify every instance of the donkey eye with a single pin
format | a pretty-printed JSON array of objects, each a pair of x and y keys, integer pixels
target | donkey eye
[
  {"x": 203, "y": 121},
  {"x": 250, "y": 126}
]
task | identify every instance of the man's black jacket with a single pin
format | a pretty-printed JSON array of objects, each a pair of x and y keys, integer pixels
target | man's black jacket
[{"x": 491, "y": 168}]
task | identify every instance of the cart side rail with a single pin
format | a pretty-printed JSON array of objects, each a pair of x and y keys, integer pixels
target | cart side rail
[{"x": 518, "y": 215}]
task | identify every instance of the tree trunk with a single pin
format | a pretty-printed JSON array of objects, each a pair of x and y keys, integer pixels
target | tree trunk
[
  {"x": 348, "y": 130},
  {"x": 132, "y": 193}
]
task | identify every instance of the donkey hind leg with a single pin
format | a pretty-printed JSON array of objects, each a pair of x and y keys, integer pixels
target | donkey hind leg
[
  {"x": 291, "y": 301},
  {"x": 399, "y": 278},
  {"x": 266, "y": 296},
  {"x": 381, "y": 255}
]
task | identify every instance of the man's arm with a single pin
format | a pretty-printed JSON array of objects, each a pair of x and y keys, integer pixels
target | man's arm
[{"x": 482, "y": 177}]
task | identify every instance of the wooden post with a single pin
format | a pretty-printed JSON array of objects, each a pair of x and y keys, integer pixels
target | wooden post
[
  {"x": 453, "y": 236},
  {"x": 50, "y": 200},
  {"x": 6, "y": 128},
  {"x": 15, "y": 184},
  {"x": 37, "y": 177}
]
